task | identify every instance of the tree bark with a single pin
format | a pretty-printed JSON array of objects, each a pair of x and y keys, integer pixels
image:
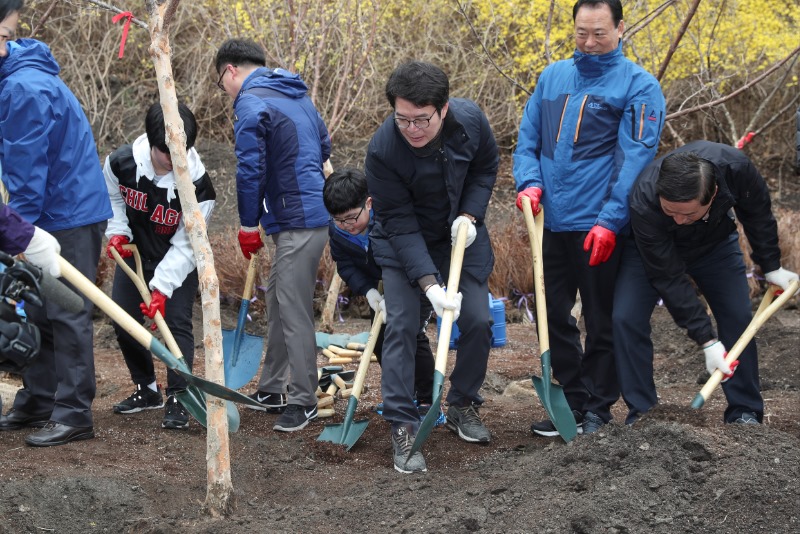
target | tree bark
[{"x": 219, "y": 491}]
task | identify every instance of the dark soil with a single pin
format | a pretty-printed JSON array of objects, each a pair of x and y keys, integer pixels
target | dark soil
[{"x": 677, "y": 470}]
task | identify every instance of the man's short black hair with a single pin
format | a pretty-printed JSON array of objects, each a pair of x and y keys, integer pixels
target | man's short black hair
[
  {"x": 614, "y": 5},
  {"x": 684, "y": 177},
  {"x": 7, "y": 7},
  {"x": 156, "y": 130},
  {"x": 240, "y": 52},
  {"x": 422, "y": 84},
  {"x": 344, "y": 190}
]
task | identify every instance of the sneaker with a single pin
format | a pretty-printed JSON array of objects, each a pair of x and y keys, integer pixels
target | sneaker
[
  {"x": 402, "y": 440},
  {"x": 548, "y": 429},
  {"x": 295, "y": 417},
  {"x": 747, "y": 418},
  {"x": 175, "y": 415},
  {"x": 592, "y": 423},
  {"x": 423, "y": 410},
  {"x": 270, "y": 402},
  {"x": 143, "y": 398},
  {"x": 465, "y": 421}
]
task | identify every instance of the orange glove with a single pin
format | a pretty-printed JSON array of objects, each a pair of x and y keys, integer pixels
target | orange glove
[
  {"x": 249, "y": 241},
  {"x": 601, "y": 241},
  {"x": 158, "y": 304},
  {"x": 117, "y": 241},
  {"x": 533, "y": 193}
]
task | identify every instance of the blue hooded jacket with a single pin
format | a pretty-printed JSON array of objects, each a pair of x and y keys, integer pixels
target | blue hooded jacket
[
  {"x": 590, "y": 127},
  {"x": 281, "y": 144},
  {"x": 50, "y": 163}
]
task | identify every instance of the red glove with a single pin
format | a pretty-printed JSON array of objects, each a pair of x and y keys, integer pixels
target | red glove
[
  {"x": 249, "y": 241},
  {"x": 117, "y": 241},
  {"x": 533, "y": 193},
  {"x": 601, "y": 241},
  {"x": 158, "y": 303}
]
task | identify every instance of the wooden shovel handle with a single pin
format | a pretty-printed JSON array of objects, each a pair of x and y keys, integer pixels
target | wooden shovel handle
[
  {"x": 250, "y": 280},
  {"x": 535, "y": 227},
  {"x": 363, "y": 364},
  {"x": 446, "y": 326},
  {"x": 764, "y": 312},
  {"x": 138, "y": 280}
]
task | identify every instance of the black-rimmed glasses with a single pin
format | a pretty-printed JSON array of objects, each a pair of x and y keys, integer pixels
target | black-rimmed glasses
[
  {"x": 349, "y": 221},
  {"x": 418, "y": 123}
]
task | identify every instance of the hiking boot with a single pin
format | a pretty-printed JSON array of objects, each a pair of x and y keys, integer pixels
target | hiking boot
[
  {"x": 548, "y": 429},
  {"x": 423, "y": 410},
  {"x": 747, "y": 418},
  {"x": 465, "y": 421},
  {"x": 175, "y": 415},
  {"x": 295, "y": 417},
  {"x": 143, "y": 398},
  {"x": 592, "y": 423},
  {"x": 402, "y": 440},
  {"x": 270, "y": 402}
]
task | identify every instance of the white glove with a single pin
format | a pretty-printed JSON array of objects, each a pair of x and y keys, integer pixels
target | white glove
[
  {"x": 383, "y": 310},
  {"x": 715, "y": 359},
  {"x": 438, "y": 297},
  {"x": 43, "y": 252},
  {"x": 374, "y": 298},
  {"x": 781, "y": 278},
  {"x": 472, "y": 233}
]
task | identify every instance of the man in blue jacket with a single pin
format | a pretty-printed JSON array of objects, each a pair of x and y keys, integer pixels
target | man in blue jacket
[
  {"x": 591, "y": 126},
  {"x": 281, "y": 145},
  {"x": 53, "y": 176},
  {"x": 431, "y": 165}
]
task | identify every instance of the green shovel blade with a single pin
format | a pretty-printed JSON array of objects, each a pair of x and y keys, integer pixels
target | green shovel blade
[
  {"x": 429, "y": 422},
  {"x": 195, "y": 403},
  {"x": 348, "y": 431},
  {"x": 555, "y": 402}
]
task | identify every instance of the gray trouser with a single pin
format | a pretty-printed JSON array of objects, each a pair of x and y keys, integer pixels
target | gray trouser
[
  {"x": 291, "y": 360},
  {"x": 60, "y": 382}
]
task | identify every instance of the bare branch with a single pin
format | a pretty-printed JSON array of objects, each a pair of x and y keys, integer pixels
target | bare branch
[
  {"x": 114, "y": 9},
  {"x": 674, "y": 45}
]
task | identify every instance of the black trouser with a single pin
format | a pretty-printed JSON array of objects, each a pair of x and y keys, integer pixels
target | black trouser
[
  {"x": 588, "y": 375},
  {"x": 178, "y": 316},
  {"x": 61, "y": 382},
  {"x": 423, "y": 358}
]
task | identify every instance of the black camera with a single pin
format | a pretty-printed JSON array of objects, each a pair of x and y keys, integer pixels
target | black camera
[{"x": 20, "y": 340}]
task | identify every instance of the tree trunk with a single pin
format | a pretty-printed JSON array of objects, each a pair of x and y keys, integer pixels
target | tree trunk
[{"x": 219, "y": 492}]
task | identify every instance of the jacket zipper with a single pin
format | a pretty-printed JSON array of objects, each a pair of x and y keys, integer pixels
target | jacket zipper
[
  {"x": 580, "y": 118},
  {"x": 561, "y": 121}
]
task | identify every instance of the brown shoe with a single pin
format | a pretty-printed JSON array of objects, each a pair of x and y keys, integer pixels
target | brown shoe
[
  {"x": 57, "y": 434},
  {"x": 16, "y": 419}
]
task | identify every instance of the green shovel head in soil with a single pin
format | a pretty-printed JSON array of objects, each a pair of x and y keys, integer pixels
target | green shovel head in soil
[
  {"x": 348, "y": 431},
  {"x": 554, "y": 402}
]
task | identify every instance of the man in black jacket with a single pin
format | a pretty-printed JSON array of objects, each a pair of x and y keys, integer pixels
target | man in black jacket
[
  {"x": 682, "y": 213},
  {"x": 431, "y": 165}
]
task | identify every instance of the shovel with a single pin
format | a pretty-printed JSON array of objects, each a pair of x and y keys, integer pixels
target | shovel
[
  {"x": 764, "y": 312},
  {"x": 443, "y": 345},
  {"x": 551, "y": 395},
  {"x": 348, "y": 432},
  {"x": 191, "y": 398},
  {"x": 241, "y": 352},
  {"x": 143, "y": 336}
]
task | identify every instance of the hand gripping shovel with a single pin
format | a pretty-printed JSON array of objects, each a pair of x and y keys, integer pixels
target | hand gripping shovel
[
  {"x": 241, "y": 351},
  {"x": 443, "y": 345},
  {"x": 551, "y": 395},
  {"x": 191, "y": 398},
  {"x": 764, "y": 312},
  {"x": 348, "y": 432}
]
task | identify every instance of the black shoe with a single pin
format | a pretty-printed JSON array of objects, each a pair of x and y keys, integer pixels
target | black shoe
[
  {"x": 143, "y": 398},
  {"x": 295, "y": 417},
  {"x": 466, "y": 422},
  {"x": 270, "y": 402},
  {"x": 592, "y": 423},
  {"x": 57, "y": 434},
  {"x": 548, "y": 429},
  {"x": 747, "y": 418},
  {"x": 15, "y": 419},
  {"x": 402, "y": 440},
  {"x": 175, "y": 415}
]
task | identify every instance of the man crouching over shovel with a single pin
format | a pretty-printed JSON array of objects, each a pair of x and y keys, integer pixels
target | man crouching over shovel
[
  {"x": 682, "y": 213},
  {"x": 431, "y": 165}
]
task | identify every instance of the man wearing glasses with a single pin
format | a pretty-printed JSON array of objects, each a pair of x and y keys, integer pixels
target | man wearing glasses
[
  {"x": 281, "y": 144},
  {"x": 431, "y": 165}
]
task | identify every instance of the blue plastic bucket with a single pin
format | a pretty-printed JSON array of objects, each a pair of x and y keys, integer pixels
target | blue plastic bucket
[{"x": 497, "y": 311}]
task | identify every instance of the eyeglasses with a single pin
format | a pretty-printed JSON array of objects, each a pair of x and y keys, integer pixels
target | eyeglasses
[
  {"x": 418, "y": 123},
  {"x": 219, "y": 82},
  {"x": 349, "y": 221}
]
